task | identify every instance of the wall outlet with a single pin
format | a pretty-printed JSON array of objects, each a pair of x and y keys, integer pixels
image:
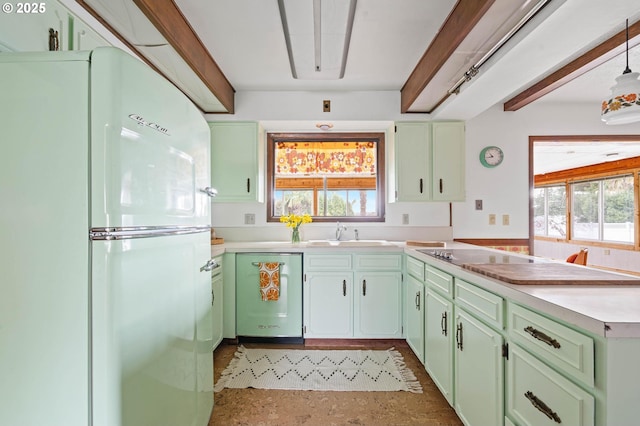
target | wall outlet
[
  {"x": 405, "y": 218},
  {"x": 492, "y": 219},
  {"x": 607, "y": 252},
  {"x": 505, "y": 219},
  {"x": 249, "y": 219},
  {"x": 478, "y": 204}
]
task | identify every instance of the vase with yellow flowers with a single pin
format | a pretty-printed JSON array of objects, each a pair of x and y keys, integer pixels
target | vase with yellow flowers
[{"x": 293, "y": 221}]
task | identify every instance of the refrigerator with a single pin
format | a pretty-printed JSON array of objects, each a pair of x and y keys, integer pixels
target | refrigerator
[{"x": 104, "y": 244}]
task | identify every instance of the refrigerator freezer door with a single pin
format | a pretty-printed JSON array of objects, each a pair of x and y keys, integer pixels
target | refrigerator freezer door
[
  {"x": 44, "y": 314},
  {"x": 147, "y": 296},
  {"x": 149, "y": 148}
]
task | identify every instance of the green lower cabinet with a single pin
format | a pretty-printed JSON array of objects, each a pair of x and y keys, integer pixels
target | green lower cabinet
[
  {"x": 414, "y": 307},
  {"x": 377, "y": 312},
  {"x": 537, "y": 395},
  {"x": 438, "y": 342},
  {"x": 479, "y": 374},
  {"x": 328, "y": 304}
]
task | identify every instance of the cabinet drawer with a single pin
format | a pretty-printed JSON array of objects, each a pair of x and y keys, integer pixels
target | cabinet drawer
[
  {"x": 415, "y": 268},
  {"x": 329, "y": 262},
  {"x": 537, "y": 395},
  {"x": 378, "y": 262},
  {"x": 439, "y": 280},
  {"x": 565, "y": 348},
  {"x": 487, "y": 306}
]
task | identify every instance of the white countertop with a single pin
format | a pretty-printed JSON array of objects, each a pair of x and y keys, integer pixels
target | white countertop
[{"x": 608, "y": 311}]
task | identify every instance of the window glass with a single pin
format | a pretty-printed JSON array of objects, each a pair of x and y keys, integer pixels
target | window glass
[
  {"x": 539, "y": 211},
  {"x": 585, "y": 212},
  {"x": 557, "y": 211},
  {"x": 618, "y": 209}
]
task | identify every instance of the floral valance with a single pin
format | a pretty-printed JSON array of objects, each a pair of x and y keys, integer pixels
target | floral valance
[{"x": 325, "y": 158}]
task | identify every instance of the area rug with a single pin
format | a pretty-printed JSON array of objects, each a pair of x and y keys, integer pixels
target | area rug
[{"x": 323, "y": 370}]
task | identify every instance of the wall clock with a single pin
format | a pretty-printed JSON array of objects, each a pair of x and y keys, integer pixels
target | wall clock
[{"x": 491, "y": 156}]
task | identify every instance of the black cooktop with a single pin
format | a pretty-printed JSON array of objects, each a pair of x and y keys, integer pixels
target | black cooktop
[{"x": 478, "y": 256}]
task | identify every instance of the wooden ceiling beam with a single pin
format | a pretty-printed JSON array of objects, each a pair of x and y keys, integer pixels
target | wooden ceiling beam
[
  {"x": 464, "y": 16},
  {"x": 172, "y": 24},
  {"x": 595, "y": 57}
]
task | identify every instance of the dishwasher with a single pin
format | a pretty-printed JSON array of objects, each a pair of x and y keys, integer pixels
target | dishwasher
[{"x": 278, "y": 319}]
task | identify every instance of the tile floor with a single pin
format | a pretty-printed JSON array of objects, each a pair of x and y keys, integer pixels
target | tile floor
[{"x": 310, "y": 408}]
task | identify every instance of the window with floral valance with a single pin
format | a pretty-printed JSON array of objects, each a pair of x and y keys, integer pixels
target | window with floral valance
[{"x": 329, "y": 176}]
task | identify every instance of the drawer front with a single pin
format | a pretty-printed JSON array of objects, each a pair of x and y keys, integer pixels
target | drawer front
[
  {"x": 565, "y": 348},
  {"x": 439, "y": 280},
  {"x": 379, "y": 262},
  {"x": 329, "y": 262},
  {"x": 481, "y": 303},
  {"x": 537, "y": 395},
  {"x": 415, "y": 268}
]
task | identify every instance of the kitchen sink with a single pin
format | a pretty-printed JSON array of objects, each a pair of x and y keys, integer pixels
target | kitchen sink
[{"x": 348, "y": 243}]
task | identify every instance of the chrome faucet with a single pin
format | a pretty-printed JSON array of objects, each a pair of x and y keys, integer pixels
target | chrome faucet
[{"x": 339, "y": 230}]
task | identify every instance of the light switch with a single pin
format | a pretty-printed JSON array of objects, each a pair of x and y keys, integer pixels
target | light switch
[
  {"x": 505, "y": 219},
  {"x": 249, "y": 219},
  {"x": 492, "y": 219}
]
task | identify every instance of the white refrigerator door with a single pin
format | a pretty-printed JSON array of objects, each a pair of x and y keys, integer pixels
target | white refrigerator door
[
  {"x": 149, "y": 148},
  {"x": 44, "y": 257},
  {"x": 145, "y": 349}
]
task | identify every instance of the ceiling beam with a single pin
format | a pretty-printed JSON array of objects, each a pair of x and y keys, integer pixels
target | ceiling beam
[
  {"x": 172, "y": 24},
  {"x": 595, "y": 57},
  {"x": 464, "y": 16}
]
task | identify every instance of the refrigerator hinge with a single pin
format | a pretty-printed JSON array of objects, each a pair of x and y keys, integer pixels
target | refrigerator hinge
[{"x": 505, "y": 351}]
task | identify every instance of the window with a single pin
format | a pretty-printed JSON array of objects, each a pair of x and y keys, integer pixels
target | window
[
  {"x": 603, "y": 209},
  {"x": 550, "y": 211},
  {"x": 329, "y": 176}
]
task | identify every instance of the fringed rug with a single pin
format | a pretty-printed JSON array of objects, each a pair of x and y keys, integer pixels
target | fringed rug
[{"x": 325, "y": 370}]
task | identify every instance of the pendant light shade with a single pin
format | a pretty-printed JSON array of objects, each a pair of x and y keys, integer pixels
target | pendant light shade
[{"x": 624, "y": 105}]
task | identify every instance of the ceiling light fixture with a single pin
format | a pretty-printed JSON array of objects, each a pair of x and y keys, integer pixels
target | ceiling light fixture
[
  {"x": 317, "y": 34},
  {"x": 624, "y": 105},
  {"x": 324, "y": 126}
]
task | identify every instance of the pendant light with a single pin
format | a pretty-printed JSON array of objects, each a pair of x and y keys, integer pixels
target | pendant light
[{"x": 624, "y": 105}]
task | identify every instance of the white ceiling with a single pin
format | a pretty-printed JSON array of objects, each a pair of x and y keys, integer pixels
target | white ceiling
[{"x": 554, "y": 156}]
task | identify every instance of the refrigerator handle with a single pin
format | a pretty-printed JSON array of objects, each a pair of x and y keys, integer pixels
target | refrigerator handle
[
  {"x": 211, "y": 192},
  {"x": 210, "y": 265}
]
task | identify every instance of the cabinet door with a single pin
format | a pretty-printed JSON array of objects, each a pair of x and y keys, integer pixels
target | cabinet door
[
  {"x": 438, "y": 341},
  {"x": 26, "y": 28},
  {"x": 448, "y": 161},
  {"x": 328, "y": 304},
  {"x": 378, "y": 305},
  {"x": 414, "y": 306},
  {"x": 479, "y": 384},
  {"x": 216, "y": 308},
  {"x": 234, "y": 161},
  {"x": 413, "y": 161}
]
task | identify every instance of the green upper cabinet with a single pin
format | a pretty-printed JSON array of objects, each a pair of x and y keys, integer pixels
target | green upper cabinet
[
  {"x": 235, "y": 154},
  {"x": 27, "y": 27},
  {"x": 413, "y": 161},
  {"x": 447, "y": 141},
  {"x": 430, "y": 161}
]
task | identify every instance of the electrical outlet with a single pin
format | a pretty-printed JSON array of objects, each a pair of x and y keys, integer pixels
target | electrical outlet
[
  {"x": 492, "y": 219},
  {"x": 249, "y": 219},
  {"x": 478, "y": 204},
  {"x": 405, "y": 218},
  {"x": 607, "y": 252},
  {"x": 505, "y": 219},
  {"x": 326, "y": 105}
]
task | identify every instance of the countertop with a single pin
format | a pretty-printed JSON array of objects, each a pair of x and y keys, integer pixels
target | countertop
[{"x": 611, "y": 311}]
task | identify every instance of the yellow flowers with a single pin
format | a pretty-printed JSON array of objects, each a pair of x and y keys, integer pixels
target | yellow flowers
[{"x": 294, "y": 221}]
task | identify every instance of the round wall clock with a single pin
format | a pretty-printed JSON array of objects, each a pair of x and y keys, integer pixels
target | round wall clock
[{"x": 491, "y": 156}]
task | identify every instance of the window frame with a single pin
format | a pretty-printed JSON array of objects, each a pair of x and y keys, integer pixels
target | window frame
[{"x": 378, "y": 137}]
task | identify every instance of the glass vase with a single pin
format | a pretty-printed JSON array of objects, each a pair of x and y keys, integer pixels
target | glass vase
[{"x": 295, "y": 235}]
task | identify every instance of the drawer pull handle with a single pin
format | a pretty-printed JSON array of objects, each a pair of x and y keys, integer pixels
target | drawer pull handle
[
  {"x": 459, "y": 336},
  {"x": 421, "y": 185},
  {"x": 418, "y": 301},
  {"x": 443, "y": 323},
  {"x": 542, "y": 407},
  {"x": 248, "y": 185},
  {"x": 364, "y": 287},
  {"x": 441, "y": 186},
  {"x": 542, "y": 337},
  {"x": 344, "y": 287}
]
